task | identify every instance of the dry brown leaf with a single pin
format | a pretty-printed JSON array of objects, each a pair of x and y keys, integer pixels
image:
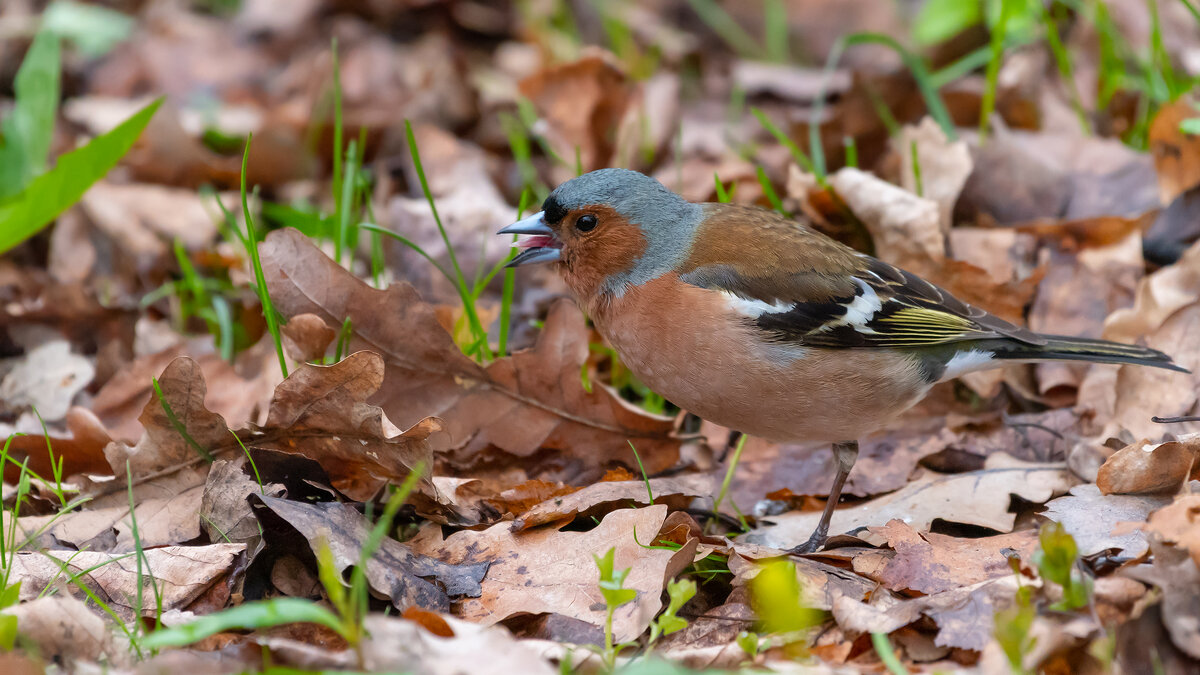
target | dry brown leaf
[
  {"x": 1013, "y": 184},
  {"x": 1176, "y": 153},
  {"x": 545, "y": 570},
  {"x": 944, "y": 165},
  {"x": 143, "y": 220},
  {"x": 600, "y": 498},
  {"x": 164, "y": 464},
  {"x": 81, "y": 452},
  {"x": 46, "y": 378},
  {"x": 530, "y": 401},
  {"x": 321, "y": 412},
  {"x": 1150, "y": 468},
  {"x": 396, "y": 572},
  {"x": 1157, "y": 297},
  {"x": 905, "y": 227},
  {"x": 66, "y": 630},
  {"x": 964, "y": 615},
  {"x": 1091, "y": 518},
  {"x": 1076, "y": 296},
  {"x": 581, "y": 102},
  {"x": 1176, "y": 574},
  {"x": 520, "y": 498},
  {"x": 1143, "y": 393},
  {"x": 1178, "y": 524},
  {"x": 225, "y": 513},
  {"x": 931, "y": 563},
  {"x": 306, "y": 337},
  {"x": 974, "y": 498},
  {"x": 399, "y": 645},
  {"x": 235, "y": 398},
  {"x": 180, "y": 573}
]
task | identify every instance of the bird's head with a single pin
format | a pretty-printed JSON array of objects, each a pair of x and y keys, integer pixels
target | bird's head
[{"x": 608, "y": 230}]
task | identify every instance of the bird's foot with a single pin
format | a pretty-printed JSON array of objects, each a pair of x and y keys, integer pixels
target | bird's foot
[{"x": 814, "y": 544}]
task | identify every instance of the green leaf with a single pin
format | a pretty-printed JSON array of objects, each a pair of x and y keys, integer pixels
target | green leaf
[
  {"x": 940, "y": 20},
  {"x": 1190, "y": 126},
  {"x": 252, "y": 615},
  {"x": 8, "y": 632},
  {"x": 775, "y": 592},
  {"x": 52, "y": 192},
  {"x": 29, "y": 129},
  {"x": 611, "y": 581},
  {"x": 680, "y": 591},
  {"x": 92, "y": 28},
  {"x": 9, "y": 596}
]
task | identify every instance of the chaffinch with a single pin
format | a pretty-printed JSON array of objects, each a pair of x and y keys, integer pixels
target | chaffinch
[{"x": 759, "y": 323}]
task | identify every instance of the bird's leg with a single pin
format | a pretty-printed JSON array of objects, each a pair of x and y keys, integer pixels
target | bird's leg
[
  {"x": 845, "y": 453},
  {"x": 730, "y": 443}
]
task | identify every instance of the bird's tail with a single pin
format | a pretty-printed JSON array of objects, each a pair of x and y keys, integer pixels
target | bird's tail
[{"x": 1063, "y": 348}]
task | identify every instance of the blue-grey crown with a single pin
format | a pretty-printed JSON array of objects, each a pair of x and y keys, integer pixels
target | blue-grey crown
[{"x": 667, "y": 220}]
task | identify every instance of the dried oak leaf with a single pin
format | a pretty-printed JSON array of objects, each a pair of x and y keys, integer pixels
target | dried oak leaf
[
  {"x": 931, "y": 563},
  {"x": 306, "y": 337},
  {"x": 82, "y": 452},
  {"x": 944, "y": 165},
  {"x": 1176, "y": 574},
  {"x": 1178, "y": 524},
  {"x": 1149, "y": 468},
  {"x": 530, "y": 401},
  {"x": 165, "y": 466},
  {"x": 321, "y": 412},
  {"x": 66, "y": 630},
  {"x": 1091, "y": 517},
  {"x": 545, "y": 570},
  {"x": 225, "y": 513},
  {"x": 964, "y": 615},
  {"x": 181, "y": 573},
  {"x": 974, "y": 498},
  {"x": 1142, "y": 393},
  {"x": 600, "y": 498},
  {"x": 582, "y": 102},
  {"x": 407, "y": 578}
]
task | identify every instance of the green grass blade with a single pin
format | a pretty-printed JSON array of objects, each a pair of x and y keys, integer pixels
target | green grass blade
[
  {"x": 914, "y": 63},
  {"x": 459, "y": 280},
  {"x": 883, "y": 647},
  {"x": 249, "y": 616},
  {"x": 1062, "y": 60},
  {"x": 337, "y": 136},
  {"x": 27, "y": 132},
  {"x": 775, "y": 25},
  {"x": 996, "y": 47},
  {"x": 797, "y": 154},
  {"x": 940, "y": 20},
  {"x": 769, "y": 190},
  {"x": 719, "y": 21},
  {"x": 178, "y": 425},
  {"x": 52, "y": 192},
  {"x": 250, "y": 242}
]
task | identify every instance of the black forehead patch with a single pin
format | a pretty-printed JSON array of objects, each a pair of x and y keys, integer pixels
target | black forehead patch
[{"x": 552, "y": 211}]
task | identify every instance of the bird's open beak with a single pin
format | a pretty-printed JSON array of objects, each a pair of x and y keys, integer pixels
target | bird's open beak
[{"x": 541, "y": 247}]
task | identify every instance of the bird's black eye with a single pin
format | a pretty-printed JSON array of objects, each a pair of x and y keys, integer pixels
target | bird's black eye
[{"x": 585, "y": 223}]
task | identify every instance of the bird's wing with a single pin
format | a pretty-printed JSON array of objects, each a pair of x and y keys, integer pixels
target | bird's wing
[{"x": 803, "y": 287}]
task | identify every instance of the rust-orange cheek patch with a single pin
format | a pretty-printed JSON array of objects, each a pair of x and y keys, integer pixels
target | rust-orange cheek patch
[{"x": 613, "y": 247}]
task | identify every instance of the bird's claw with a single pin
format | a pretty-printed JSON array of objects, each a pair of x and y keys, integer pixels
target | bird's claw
[{"x": 815, "y": 543}]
